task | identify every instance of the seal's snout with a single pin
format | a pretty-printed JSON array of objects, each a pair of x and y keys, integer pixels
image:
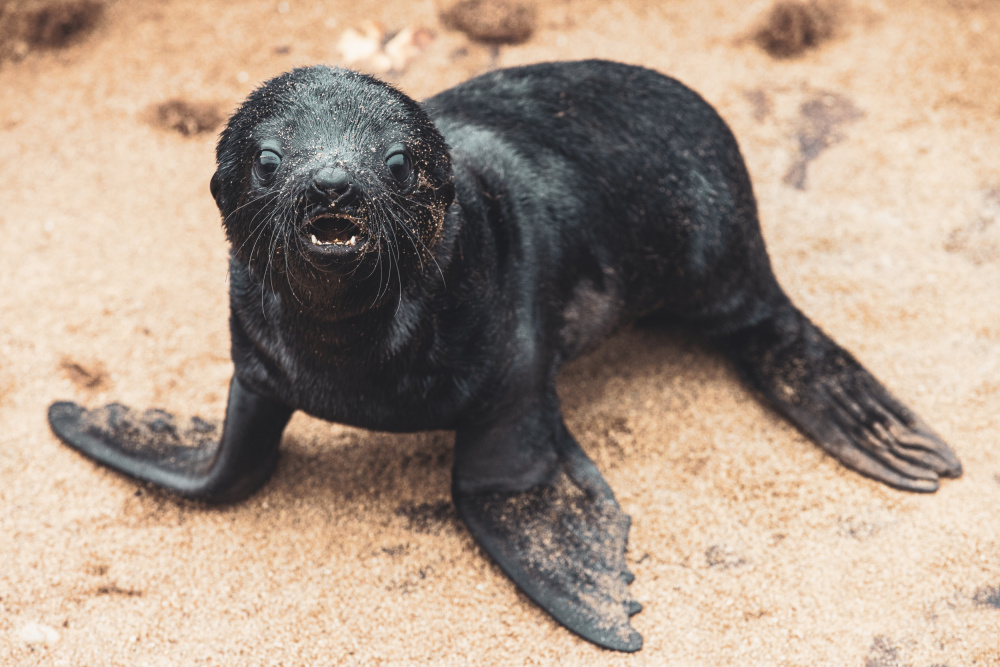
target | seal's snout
[
  {"x": 333, "y": 224},
  {"x": 334, "y": 183}
]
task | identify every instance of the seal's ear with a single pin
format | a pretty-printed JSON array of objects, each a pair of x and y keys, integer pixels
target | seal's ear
[
  {"x": 214, "y": 186},
  {"x": 447, "y": 193}
]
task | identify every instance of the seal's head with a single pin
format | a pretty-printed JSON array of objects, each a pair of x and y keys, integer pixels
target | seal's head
[{"x": 333, "y": 187}]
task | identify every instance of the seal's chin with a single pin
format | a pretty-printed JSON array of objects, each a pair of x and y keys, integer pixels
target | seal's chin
[{"x": 334, "y": 234}]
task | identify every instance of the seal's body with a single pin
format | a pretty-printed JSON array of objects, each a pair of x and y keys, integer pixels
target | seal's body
[
  {"x": 404, "y": 267},
  {"x": 543, "y": 201}
]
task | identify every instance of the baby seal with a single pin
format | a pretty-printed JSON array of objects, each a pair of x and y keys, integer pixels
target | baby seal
[{"x": 400, "y": 267}]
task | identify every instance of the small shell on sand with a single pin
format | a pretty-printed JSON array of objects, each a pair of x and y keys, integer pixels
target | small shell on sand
[{"x": 37, "y": 633}]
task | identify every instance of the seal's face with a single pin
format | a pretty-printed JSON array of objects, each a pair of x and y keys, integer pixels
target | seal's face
[{"x": 332, "y": 186}]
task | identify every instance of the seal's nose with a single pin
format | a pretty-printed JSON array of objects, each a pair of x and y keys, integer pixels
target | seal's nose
[{"x": 333, "y": 182}]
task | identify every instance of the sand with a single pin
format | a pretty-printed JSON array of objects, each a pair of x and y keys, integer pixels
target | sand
[{"x": 875, "y": 162}]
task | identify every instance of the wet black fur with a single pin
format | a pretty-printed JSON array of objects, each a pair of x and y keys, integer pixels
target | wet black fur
[{"x": 564, "y": 229}]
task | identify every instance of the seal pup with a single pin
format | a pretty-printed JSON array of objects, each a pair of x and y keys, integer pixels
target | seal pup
[{"x": 399, "y": 266}]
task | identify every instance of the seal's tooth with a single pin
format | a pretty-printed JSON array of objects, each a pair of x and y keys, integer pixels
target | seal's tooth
[{"x": 315, "y": 240}]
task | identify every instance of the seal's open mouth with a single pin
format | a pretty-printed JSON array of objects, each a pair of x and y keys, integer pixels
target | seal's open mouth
[{"x": 331, "y": 230}]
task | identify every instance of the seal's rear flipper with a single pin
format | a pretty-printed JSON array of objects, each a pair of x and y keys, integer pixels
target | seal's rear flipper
[
  {"x": 563, "y": 539},
  {"x": 192, "y": 462},
  {"x": 824, "y": 391}
]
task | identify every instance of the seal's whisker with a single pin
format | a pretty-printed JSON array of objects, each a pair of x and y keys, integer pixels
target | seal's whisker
[
  {"x": 288, "y": 271},
  {"x": 388, "y": 261},
  {"x": 269, "y": 257},
  {"x": 387, "y": 226},
  {"x": 266, "y": 277},
  {"x": 415, "y": 238},
  {"x": 287, "y": 230},
  {"x": 410, "y": 236},
  {"x": 377, "y": 238},
  {"x": 250, "y": 201},
  {"x": 254, "y": 259},
  {"x": 392, "y": 247},
  {"x": 393, "y": 215},
  {"x": 255, "y": 226},
  {"x": 399, "y": 278}
]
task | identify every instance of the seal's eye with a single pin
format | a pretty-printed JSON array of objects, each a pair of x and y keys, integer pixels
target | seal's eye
[
  {"x": 399, "y": 166},
  {"x": 266, "y": 165}
]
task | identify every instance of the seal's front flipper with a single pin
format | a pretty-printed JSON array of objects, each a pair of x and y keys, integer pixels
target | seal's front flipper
[
  {"x": 192, "y": 462},
  {"x": 534, "y": 501},
  {"x": 824, "y": 391}
]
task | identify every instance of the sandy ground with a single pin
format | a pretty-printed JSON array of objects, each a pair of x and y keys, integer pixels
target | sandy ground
[{"x": 749, "y": 545}]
